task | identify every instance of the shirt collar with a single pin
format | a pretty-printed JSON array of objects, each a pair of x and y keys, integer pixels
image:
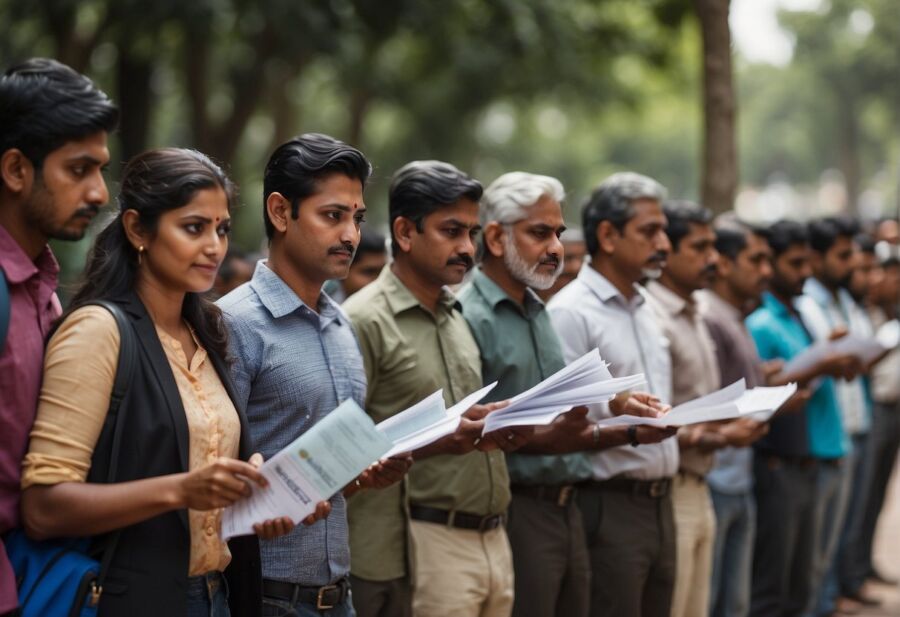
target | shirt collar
[
  {"x": 493, "y": 295},
  {"x": 605, "y": 290},
  {"x": 670, "y": 301},
  {"x": 17, "y": 267},
  {"x": 281, "y": 300},
  {"x": 775, "y": 306},
  {"x": 716, "y": 304},
  {"x": 814, "y": 288},
  {"x": 401, "y": 299}
]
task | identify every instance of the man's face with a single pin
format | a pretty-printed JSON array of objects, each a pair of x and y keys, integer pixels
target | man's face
[
  {"x": 641, "y": 248},
  {"x": 750, "y": 273},
  {"x": 865, "y": 270},
  {"x": 68, "y": 190},
  {"x": 444, "y": 250},
  {"x": 364, "y": 270},
  {"x": 323, "y": 238},
  {"x": 887, "y": 290},
  {"x": 836, "y": 265},
  {"x": 692, "y": 265},
  {"x": 889, "y": 231},
  {"x": 791, "y": 269},
  {"x": 532, "y": 252}
]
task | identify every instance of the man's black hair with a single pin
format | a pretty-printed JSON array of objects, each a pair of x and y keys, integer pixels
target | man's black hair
[
  {"x": 420, "y": 188},
  {"x": 732, "y": 235},
  {"x": 44, "y": 104},
  {"x": 612, "y": 200},
  {"x": 296, "y": 167},
  {"x": 865, "y": 242},
  {"x": 370, "y": 241},
  {"x": 784, "y": 234},
  {"x": 681, "y": 214},
  {"x": 824, "y": 232}
]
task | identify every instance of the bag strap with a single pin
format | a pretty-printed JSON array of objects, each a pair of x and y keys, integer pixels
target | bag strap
[
  {"x": 4, "y": 310},
  {"x": 124, "y": 372}
]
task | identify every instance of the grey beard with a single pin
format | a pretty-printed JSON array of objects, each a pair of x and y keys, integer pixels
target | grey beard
[{"x": 522, "y": 271}]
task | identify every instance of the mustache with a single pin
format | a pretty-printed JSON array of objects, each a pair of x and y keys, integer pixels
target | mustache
[
  {"x": 710, "y": 270},
  {"x": 658, "y": 257},
  {"x": 462, "y": 260},
  {"x": 344, "y": 247},
  {"x": 550, "y": 261},
  {"x": 89, "y": 211}
]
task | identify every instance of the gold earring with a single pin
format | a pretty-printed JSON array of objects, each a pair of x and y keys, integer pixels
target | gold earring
[{"x": 140, "y": 253}]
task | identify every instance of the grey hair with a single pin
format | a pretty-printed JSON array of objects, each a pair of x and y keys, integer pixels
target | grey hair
[
  {"x": 509, "y": 196},
  {"x": 612, "y": 200}
]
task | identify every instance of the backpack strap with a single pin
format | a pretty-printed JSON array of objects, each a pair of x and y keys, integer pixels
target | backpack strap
[
  {"x": 4, "y": 311},
  {"x": 127, "y": 361}
]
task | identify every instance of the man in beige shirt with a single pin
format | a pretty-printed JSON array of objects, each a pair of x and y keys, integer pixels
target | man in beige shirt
[{"x": 695, "y": 372}]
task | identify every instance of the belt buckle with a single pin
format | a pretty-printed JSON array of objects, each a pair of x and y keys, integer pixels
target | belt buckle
[
  {"x": 320, "y": 604},
  {"x": 486, "y": 523},
  {"x": 565, "y": 495},
  {"x": 656, "y": 489}
]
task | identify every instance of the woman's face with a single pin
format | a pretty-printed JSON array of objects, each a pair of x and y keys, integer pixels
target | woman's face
[{"x": 189, "y": 244}]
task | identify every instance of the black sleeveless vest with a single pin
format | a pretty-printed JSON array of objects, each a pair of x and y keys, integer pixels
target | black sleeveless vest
[{"x": 148, "y": 572}]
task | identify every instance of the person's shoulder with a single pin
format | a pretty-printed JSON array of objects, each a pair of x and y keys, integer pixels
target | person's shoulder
[
  {"x": 367, "y": 305},
  {"x": 242, "y": 302},
  {"x": 92, "y": 324}
]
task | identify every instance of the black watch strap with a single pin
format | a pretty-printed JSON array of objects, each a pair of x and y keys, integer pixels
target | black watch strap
[{"x": 632, "y": 436}]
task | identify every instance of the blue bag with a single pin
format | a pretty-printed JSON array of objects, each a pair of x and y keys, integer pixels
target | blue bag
[{"x": 58, "y": 578}]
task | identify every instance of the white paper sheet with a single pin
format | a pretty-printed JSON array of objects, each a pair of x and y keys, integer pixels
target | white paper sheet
[
  {"x": 315, "y": 466},
  {"x": 728, "y": 403},
  {"x": 408, "y": 431},
  {"x": 586, "y": 380}
]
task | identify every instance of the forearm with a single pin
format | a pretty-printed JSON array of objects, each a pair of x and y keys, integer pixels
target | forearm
[
  {"x": 72, "y": 509},
  {"x": 551, "y": 441}
]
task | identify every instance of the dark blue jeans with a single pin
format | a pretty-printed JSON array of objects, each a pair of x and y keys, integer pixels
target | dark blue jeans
[
  {"x": 274, "y": 607},
  {"x": 207, "y": 596}
]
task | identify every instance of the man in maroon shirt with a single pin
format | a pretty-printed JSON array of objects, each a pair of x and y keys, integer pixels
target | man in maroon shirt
[{"x": 53, "y": 129}]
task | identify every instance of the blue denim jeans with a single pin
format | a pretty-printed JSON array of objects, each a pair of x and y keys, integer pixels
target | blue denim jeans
[
  {"x": 274, "y": 607},
  {"x": 733, "y": 554},
  {"x": 207, "y": 596}
]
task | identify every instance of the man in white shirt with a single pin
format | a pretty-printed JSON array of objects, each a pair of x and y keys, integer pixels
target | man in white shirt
[{"x": 632, "y": 544}]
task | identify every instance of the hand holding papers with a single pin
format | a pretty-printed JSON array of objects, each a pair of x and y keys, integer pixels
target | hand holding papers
[
  {"x": 866, "y": 349},
  {"x": 427, "y": 421},
  {"x": 584, "y": 381},
  {"x": 735, "y": 401},
  {"x": 311, "y": 469}
]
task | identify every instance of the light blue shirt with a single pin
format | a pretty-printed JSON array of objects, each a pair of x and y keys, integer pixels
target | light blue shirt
[{"x": 292, "y": 366}]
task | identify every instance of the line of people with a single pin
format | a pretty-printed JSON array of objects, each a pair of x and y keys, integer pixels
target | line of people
[{"x": 736, "y": 518}]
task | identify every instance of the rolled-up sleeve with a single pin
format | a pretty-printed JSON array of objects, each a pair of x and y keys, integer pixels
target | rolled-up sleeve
[{"x": 79, "y": 371}]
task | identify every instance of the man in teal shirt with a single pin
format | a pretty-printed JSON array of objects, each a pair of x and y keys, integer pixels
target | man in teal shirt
[{"x": 522, "y": 221}]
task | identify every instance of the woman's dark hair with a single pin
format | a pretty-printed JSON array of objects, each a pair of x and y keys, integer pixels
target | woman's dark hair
[
  {"x": 152, "y": 184},
  {"x": 296, "y": 166},
  {"x": 44, "y": 104},
  {"x": 422, "y": 187}
]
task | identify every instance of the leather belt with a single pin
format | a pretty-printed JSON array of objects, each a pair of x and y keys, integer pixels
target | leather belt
[
  {"x": 460, "y": 520},
  {"x": 560, "y": 495},
  {"x": 654, "y": 489},
  {"x": 324, "y": 598}
]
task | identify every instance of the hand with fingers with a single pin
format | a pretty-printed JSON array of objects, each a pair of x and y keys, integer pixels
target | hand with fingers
[
  {"x": 642, "y": 404},
  {"x": 506, "y": 439}
]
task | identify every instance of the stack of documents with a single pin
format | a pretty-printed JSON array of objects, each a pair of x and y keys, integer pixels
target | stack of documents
[
  {"x": 866, "y": 349},
  {"x": 311, "y": 469},
  {"x": 729, "y": 403},
  {"x": 427, "y": 421},
  {"x": 583, "y": 382}
]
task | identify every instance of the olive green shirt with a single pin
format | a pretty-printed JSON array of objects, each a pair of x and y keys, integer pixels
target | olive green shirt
[
  {"x": 519, "y": 348},
  {"x": 410, "y": 352}
]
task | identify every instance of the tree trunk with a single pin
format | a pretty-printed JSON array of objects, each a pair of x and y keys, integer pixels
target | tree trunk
[
  {"x": 135, "y": 100},
  {"x": 848, "y": 156},
  {"x": 720, "y": 173}
]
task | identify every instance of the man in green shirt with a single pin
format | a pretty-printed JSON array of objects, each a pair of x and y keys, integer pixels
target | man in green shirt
[
  {"x": 522, "y": 253},
  {"x": 414, "y": 341}
]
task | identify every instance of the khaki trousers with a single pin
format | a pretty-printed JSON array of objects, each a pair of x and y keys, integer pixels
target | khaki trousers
[
  {"x": 461, "y": 572},
  {"x": 695, "y": 534}
]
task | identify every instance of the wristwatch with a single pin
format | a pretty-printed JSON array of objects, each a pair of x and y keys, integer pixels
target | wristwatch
[{"x": 632, "y": 436}]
